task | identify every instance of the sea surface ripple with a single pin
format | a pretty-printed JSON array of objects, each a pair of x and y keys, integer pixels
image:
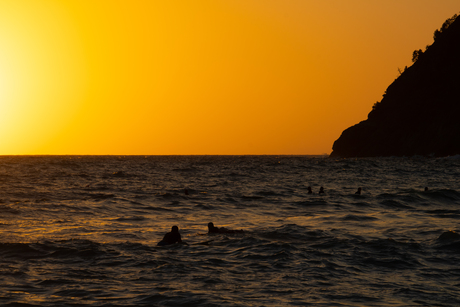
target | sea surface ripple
[{"x": 82, "y": 231}]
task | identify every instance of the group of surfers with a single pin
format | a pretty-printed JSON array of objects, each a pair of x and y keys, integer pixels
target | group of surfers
[
  {"x": 175, "y": 237},
  {"x": 321, "y": 191}
]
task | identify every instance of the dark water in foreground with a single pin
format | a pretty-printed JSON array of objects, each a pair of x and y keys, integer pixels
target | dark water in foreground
[{"x": 80, "y": 231}]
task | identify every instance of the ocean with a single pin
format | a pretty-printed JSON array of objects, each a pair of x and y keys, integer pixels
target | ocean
[{"x": 83, "y": 231}]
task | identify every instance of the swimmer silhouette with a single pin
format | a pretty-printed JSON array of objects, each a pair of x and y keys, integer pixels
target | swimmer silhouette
[
  {"x": 321, "y": 190},
  {"x": 426, "y": 189},
  {"x": 171, "y": 237},
  {"x": 213, "y": 229},
  {"x": 358, "y": 192},
  {"x": 309, "y": 190},
  {"x": 186, "y": 192}
]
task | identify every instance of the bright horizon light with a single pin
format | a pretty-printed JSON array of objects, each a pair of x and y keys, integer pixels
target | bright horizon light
[{"x": 199, "y": 77}]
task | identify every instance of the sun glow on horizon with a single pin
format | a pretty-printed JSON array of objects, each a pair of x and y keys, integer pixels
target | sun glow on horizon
[
  {"x": 198, "y": 77},
  {"x": 41, "y": 74}
]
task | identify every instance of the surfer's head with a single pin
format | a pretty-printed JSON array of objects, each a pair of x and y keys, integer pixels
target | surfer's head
[
  {"x": 211, "y": 227},
  {"x": 175, "y": 229}
]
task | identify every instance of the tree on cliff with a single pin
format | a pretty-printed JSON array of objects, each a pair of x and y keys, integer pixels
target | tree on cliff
[
  {"x": 438, "y": 33},
  {"x": 416, "y": 55}
]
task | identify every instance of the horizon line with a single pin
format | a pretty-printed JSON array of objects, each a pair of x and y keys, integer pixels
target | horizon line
[{"x": 139, "y": 155}]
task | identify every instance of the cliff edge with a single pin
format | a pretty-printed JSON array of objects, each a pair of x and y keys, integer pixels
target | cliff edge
[{"x": 420, "y": 111}]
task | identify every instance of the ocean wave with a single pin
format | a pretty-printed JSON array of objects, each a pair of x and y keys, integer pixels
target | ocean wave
[{"x": 83, "y": 231}]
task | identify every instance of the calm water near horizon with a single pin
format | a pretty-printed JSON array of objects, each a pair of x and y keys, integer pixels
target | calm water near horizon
[{"x": 82, "y": 231}]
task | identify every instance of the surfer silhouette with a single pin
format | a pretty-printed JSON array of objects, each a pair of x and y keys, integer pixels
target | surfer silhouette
[
  {"x": 358, "y": 192},
  {"x": 449, "y": 236},
  {"x": 171, "y": 237},
  {"x": 321, "y": 190},
  {"x": 214, "y": 229},
  {"x": 309, "y": 190}
]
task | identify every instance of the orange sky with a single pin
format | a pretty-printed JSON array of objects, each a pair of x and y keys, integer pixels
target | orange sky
[{"x": 199, "y": 77}]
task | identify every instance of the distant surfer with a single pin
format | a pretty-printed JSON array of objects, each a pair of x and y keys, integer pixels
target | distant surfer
[
  {"x": 449, "y": 236},
  {"x": 358, "y": 192},
  {"x": 309, "y": 190},
  {"x": 171, "y": 237},
  {"x": 321, "y": 190},
  {"x": 426, "y": 189},
  {"x": 214, "y": 229}
]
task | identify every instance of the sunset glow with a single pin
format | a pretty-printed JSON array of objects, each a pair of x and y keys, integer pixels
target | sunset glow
[{"x": 199, "y": 77}]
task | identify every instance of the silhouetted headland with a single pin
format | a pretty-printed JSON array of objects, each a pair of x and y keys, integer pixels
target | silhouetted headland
[{"x": 419, "y": 112}]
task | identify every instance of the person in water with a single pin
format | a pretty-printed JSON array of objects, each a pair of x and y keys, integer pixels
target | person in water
[
  {"x": 309, "y": 190},
  {"x": 171, "y": 237},
  {"x": 214, "y": 229},
  {"x": 321, "y": 190},
  {"x": 358, "y": 192}
]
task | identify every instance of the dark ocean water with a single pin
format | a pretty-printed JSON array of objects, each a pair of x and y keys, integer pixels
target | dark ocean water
[{"x": 82, "y": 231}]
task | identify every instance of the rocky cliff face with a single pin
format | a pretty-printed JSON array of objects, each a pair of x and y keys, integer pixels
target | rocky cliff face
[{"x": 420, "y": 111}]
